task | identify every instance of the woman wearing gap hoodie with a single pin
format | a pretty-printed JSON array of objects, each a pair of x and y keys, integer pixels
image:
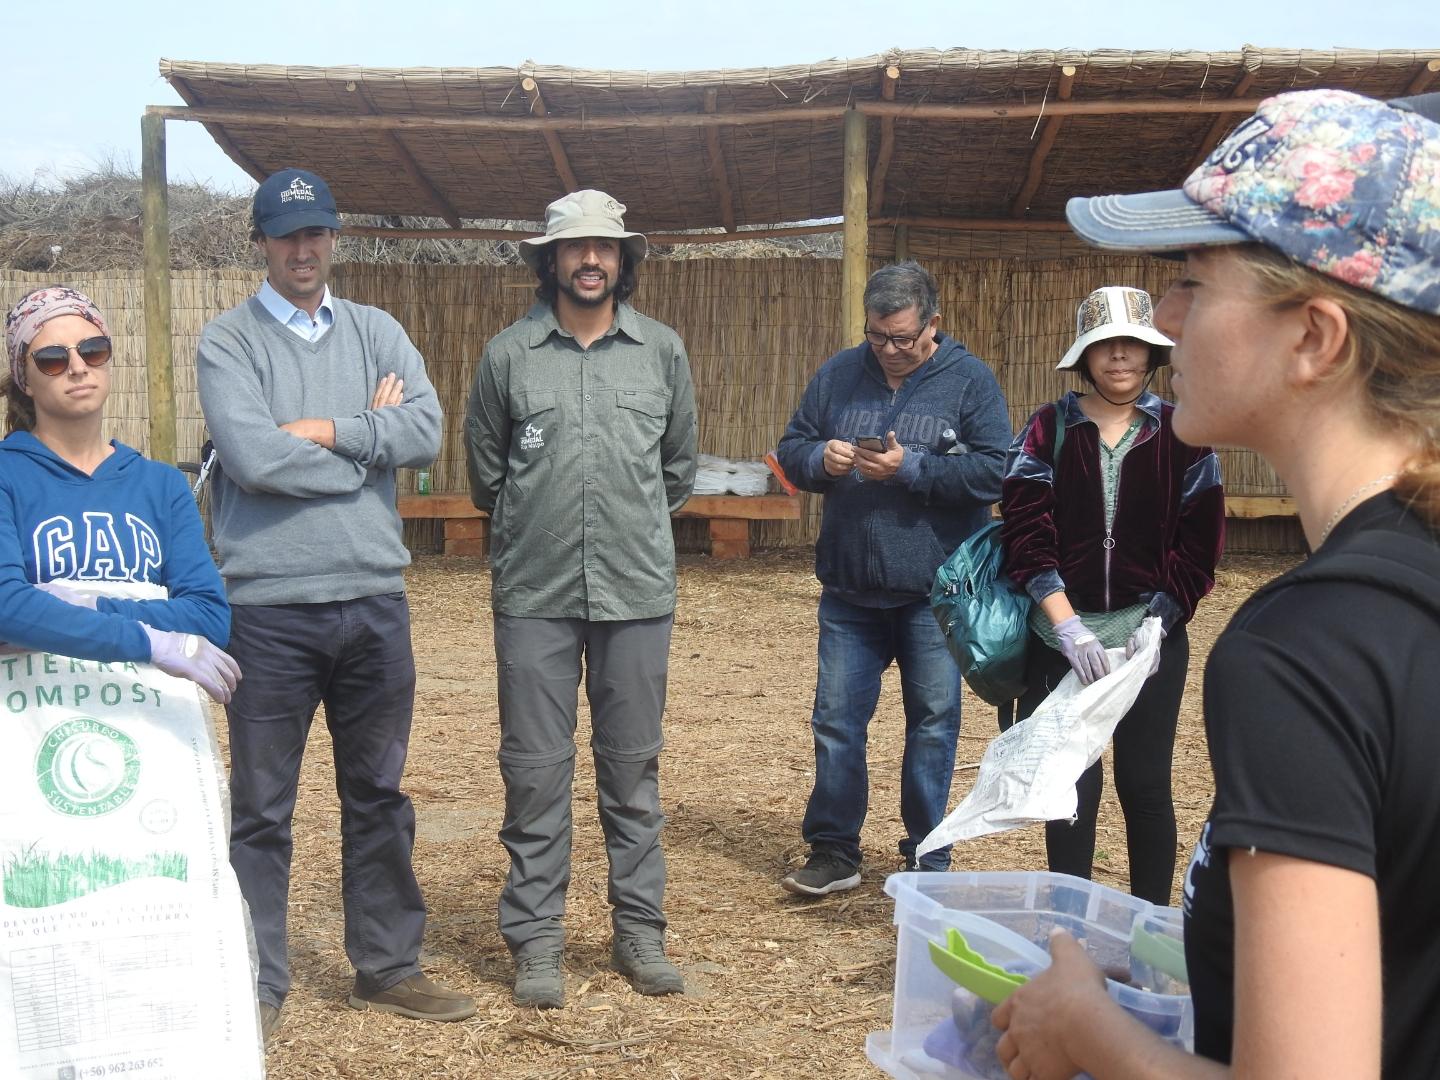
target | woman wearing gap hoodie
[{"x": 74, "y": 507}]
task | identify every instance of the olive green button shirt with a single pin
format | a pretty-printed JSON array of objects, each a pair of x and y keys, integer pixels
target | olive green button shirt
[{"x": 581, "y": 455}]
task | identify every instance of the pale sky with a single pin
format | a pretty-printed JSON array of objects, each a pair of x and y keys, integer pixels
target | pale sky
[{"x": 77, "y": 76}]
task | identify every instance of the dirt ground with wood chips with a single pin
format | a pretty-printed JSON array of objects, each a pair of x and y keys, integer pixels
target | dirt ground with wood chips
[{"x": 777, "y": 986}]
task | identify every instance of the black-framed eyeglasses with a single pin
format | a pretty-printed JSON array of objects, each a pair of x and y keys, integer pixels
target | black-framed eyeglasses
[
  {"x": 52, "y": 360},
  {"x": 900, "y": 341}
]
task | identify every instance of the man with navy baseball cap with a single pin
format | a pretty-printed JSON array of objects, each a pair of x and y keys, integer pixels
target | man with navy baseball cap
[
  {"x": 313, "y": 402},
  {"x": 292, "y": 199}
]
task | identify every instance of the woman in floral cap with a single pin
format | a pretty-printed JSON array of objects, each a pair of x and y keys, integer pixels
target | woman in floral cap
[
  {"x": 79, "y": 509},
  {"x": 1307, "y": 327}
]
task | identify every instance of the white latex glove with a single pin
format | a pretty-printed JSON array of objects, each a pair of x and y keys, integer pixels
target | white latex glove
[{"x": 190, "y": 656}]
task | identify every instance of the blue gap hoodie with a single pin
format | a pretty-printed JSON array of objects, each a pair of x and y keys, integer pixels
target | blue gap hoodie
[{"x": 134, "y": 520}]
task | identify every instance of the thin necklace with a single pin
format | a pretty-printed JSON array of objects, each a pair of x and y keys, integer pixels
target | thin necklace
[{"x": 1361, "y": 490}]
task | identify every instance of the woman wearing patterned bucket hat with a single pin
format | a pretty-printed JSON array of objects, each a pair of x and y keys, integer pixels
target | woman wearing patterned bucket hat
[
  {"x": 1307, "y": 327},
  {"x": 77, "y": 508},
  {"x": 1124, "y": 522}
]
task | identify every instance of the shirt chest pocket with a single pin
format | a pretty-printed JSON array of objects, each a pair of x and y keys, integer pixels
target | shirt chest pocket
[
  {"x": 535, "y": 431},
  {"x": 640, "y": 415}
]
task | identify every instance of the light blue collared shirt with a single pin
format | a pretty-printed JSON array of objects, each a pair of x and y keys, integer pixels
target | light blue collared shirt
[{"x": 297, "y": 319}]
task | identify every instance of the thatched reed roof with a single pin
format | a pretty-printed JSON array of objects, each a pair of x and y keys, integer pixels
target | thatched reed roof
[{"x": 705, "y": 149}]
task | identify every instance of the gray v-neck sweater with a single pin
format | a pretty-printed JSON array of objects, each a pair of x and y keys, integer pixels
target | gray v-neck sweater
[{"x": 296, "y": 523}]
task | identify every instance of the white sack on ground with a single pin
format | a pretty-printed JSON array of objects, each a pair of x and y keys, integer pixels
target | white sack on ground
[
  {"x": 125, "y": 942},
  {"x": 1028, "y": 773}
]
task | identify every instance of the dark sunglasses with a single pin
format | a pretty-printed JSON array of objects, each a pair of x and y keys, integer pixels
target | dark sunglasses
[{"x": 55, "y": 359}]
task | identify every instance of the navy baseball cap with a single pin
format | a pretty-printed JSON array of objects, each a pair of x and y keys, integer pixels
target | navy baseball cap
[{"x": 293, "y": 199}]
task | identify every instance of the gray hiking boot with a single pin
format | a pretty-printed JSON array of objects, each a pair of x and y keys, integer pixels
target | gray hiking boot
[
  {"x": 539, "y": 980},
  {"x": 269, "y": 1021},
  {"x": 641, "y": 959}
]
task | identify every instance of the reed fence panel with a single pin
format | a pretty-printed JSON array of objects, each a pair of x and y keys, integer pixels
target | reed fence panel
[{"x": 755, "y": 330}]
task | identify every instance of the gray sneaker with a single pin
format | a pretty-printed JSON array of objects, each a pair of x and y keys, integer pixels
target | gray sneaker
[
  {"x": 539, "y": 980},
  {"x": 823, "y": 873},
  {"x": 642, "y": 960}
]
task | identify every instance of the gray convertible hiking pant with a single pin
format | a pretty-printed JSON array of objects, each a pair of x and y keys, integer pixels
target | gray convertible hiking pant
[{"x": 539, "y": 664}]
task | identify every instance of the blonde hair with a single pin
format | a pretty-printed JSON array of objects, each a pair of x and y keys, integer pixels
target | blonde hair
[{"x": 1393, "y": 350}]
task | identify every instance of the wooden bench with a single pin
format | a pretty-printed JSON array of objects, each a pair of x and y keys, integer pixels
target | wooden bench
[{"x": 467, "y": 530}]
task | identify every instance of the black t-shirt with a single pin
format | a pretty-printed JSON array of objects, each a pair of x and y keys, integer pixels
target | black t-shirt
[{"x": 1322, "y": 710}]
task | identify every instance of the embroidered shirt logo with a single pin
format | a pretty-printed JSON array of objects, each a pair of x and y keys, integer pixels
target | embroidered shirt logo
[
  {"x": 532, "y": 438},
  {"x": 298, "y": 189}
]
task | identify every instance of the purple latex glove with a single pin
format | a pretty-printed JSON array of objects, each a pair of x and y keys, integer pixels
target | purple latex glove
[
  {"x": 1163, "y": 606},
  {"x": 70, "y": 596},
  {"x": 1132, "y": 646},
  {"x": 190, "y": 656},
  {"x": 1082, "y": 648}
]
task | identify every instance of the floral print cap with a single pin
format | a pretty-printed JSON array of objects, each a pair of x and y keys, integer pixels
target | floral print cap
[{"x": 1341, "y": 183}]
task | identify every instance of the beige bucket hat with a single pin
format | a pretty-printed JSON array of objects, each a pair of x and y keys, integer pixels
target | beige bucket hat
[
  {"x": 583, "y": 213},
  {"x": 1115, "y": 311}
]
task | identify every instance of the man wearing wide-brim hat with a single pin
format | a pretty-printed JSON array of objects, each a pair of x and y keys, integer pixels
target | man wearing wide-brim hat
[{"x": 580, "y": 440}]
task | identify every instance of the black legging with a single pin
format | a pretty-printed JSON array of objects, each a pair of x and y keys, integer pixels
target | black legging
[{"x": 1144, "y": 747}]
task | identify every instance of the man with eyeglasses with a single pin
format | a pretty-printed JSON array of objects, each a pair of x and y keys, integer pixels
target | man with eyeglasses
[
  {"x": 905, "y": 435},
  {"x": 313, "y": 402}
]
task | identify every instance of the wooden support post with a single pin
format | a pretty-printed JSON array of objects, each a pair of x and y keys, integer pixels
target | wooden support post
[
  {"x": 467, "y": 536},
  {"x": 854, "y": 257},
  {"x": 729, "y": 538},
  {"x": 724, "y": 200},
  {"x": 552, "y": 140},
  {"x": 159, "y": 357},
  {"x": 1043, "y": 147},
  {"x": 887, "y": 143},
  {"x": 1219, "y": 126},
  {"x": 795, "y": 114},
  {"x": 902, "y": 242},
  {"x": 1423, "y": 78},
  {"x": 439, "y": 204}
]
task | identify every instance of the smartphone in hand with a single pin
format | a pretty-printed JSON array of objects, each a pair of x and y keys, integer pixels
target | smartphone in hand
[{"x": 875, "y": 443}]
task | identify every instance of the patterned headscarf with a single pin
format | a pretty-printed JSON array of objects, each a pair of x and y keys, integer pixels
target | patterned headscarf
[{"x": 33, "y": 311}]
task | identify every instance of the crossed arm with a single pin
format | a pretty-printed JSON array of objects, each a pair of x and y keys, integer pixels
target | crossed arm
[{"x": 390, "y": 392}]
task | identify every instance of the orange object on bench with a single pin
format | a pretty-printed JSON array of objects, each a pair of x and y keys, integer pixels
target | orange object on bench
[{"x": 467, "y": 530}]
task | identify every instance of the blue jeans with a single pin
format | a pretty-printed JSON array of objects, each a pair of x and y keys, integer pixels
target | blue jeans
[{"x": 857, "y": 644}]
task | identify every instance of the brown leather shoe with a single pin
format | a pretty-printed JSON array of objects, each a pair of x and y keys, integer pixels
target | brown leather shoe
[
  {"x": 269, "y": 1021},
  {"x": 418, "y": 998}
]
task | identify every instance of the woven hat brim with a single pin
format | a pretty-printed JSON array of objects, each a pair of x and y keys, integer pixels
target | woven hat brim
[
  {"x": 1147, "y": 334},
  {"x": 634, "y": 242}
]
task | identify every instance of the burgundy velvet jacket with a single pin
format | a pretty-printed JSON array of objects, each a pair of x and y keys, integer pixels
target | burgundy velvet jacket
[{"x": 1169, "y": 526}]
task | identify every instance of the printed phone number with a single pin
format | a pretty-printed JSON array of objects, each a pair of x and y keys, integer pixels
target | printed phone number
[{"x": 119, "y": 1068}]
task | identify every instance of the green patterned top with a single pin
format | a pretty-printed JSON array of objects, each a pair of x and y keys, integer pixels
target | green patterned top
[{"x": 1113, "y": 628}]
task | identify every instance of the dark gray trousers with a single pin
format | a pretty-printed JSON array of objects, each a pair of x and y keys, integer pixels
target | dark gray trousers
[
  {"x": 354, "y": 655},
  {"x": 539, "y": 666}
]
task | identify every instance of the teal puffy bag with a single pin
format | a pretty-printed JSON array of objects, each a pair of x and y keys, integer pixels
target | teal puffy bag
[
  {"x": 982, "y": 613},
  {"x": 984, "y": 617}
]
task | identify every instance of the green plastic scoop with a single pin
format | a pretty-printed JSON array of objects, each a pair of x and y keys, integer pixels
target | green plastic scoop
[
  {"x": 966, "y": 967},
  {"x": 1161, "y": 952}
]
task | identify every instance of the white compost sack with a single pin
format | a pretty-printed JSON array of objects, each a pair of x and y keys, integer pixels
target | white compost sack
[
  {"x": 1028, "y": 773},
  {"x": 125, "y": 940}
]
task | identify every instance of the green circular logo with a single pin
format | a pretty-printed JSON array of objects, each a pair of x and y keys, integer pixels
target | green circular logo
[{"x": 86, "y": 768}]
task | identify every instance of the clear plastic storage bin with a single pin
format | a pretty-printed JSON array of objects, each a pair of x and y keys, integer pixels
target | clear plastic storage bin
[{"x": 942, "y": 1031}]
